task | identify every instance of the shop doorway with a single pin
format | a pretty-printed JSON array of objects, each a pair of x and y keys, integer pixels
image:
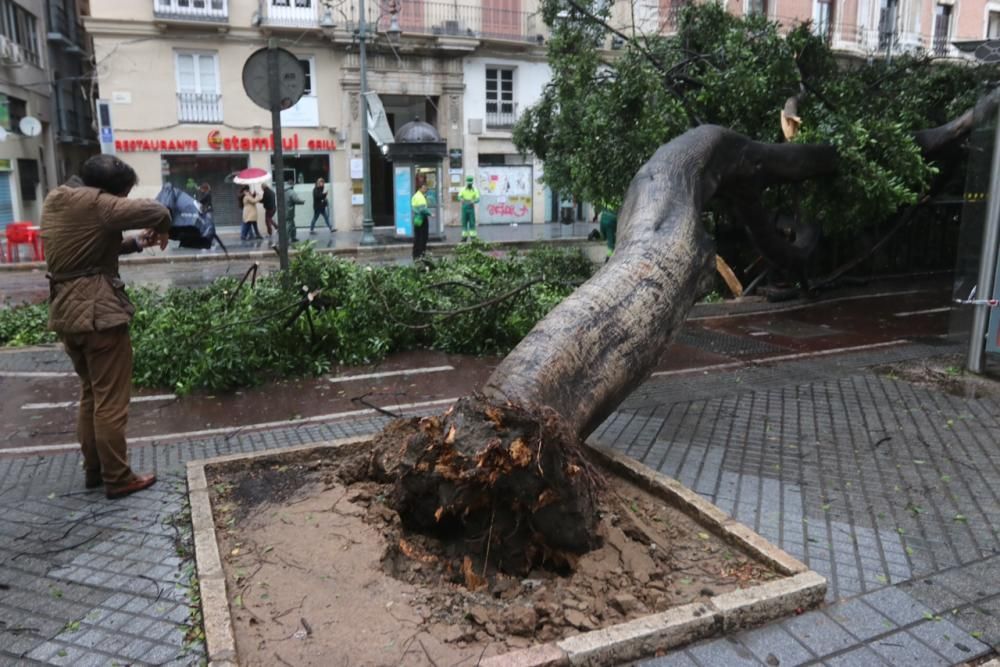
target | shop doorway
[{"x": 187, "y": 172}]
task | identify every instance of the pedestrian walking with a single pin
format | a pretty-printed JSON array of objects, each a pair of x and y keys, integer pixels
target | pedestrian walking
[
  {"x": 82, "y": 225},
  {"x": 270, "y": 203},
  {"x": 291, "y": 201},
  {"x": 320, "y": 206},
  {"x": 421, "y": 220},
  {"x": 469, "y": 196},
  {"x": 249, "y": 200}
]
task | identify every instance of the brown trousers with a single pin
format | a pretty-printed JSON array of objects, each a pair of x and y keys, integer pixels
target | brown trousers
[{"x": 103, "y": 360}]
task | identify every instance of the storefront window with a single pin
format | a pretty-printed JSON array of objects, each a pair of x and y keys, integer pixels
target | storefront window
[
  {"x": 304, "y": 171},
  {"x": 190, "y": 171},
  {"x": 308, "y": 168}
]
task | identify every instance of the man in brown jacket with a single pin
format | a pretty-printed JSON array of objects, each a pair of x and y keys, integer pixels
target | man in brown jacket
[{"x": 82, "y": 225}]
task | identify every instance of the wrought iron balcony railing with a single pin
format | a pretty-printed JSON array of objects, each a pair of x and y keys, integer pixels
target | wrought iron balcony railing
[
  {"x": 192, "y": 10},
  {"x": 199, "y": 107},
  {"x": 416, "y": 17},
  {"x": 500, "y": 117}
]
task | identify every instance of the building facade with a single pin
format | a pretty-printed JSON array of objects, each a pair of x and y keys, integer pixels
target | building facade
[
  {"x": 171, "y": 71},
  {"x": 27, "y": 159},
  {"x": 45, "y": 75}
]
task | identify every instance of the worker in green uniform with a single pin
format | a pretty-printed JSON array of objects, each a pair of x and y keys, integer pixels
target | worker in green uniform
[
  {"x": 609, "y": 228},
  {"x": 421, "y": 220},
  {"x": 291, "y": 201},
  {"x": 469, "y": 196}
]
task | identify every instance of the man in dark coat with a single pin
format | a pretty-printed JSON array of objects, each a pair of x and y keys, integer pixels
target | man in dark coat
[
  {"x": 270, "y": 207},
  {"x": 82, "y": 225}
]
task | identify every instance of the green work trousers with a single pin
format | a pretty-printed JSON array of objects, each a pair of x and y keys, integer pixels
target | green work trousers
[
  {"x": 468, "y": 219},
  {"x": 609, "y": 229},
  {"x": 103, "y": 360}
]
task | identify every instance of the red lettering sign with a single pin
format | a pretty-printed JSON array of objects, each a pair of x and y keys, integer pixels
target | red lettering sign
[
  {"x": 321, "y": 145},
  {"x": 216, "y": 141}
]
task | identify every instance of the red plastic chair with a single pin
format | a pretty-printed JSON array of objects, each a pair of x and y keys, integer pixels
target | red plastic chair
[{"x": 24, "y": 233}]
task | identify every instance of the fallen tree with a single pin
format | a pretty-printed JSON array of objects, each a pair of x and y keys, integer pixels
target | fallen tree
[{"x": 504, "y": 469}]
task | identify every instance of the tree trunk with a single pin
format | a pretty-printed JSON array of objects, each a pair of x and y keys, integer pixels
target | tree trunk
[
  {"x": 504, "y": 470},
  {"x": 603, "y": 340}
]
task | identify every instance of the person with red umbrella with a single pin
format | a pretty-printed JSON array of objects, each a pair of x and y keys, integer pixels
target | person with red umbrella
[{"x": 249, "y": 199}]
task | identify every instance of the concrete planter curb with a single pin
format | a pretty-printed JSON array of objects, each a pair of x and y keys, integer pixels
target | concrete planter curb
[{"x": 642, "y": 637}]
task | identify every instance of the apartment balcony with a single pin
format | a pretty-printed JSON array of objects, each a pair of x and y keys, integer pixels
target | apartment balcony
[
  {"x": 74, "y": 123},
  {"x": 502, "y": 118},
  {"x": 199, "y": 107},
  {"x": 191, "y": 11},
  {"x": 297, "y": 14},
  {"x": 63, "y": 27},
  {"x": 416, "y": 17}
]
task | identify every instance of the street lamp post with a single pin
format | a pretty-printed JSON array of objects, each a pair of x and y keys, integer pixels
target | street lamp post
[{"x": 367, "y": 224}]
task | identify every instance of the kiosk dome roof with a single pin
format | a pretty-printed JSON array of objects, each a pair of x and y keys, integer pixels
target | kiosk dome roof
[{"x": 417, "y": 132}]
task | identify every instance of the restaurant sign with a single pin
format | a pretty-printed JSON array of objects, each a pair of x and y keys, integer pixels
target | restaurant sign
[{"x": 217, "y": 141}]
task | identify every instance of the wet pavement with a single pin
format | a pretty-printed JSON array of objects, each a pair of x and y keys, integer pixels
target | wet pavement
[
  {"x": 778, "y": 414},
  {"x": 36, "y": 412}
]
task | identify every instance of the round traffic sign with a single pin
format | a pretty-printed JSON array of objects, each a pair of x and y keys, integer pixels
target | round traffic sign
[{"x": 291, "y": 79}]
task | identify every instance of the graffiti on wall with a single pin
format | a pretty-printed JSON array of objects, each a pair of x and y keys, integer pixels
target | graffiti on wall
[{"x": 505, "y": 194}]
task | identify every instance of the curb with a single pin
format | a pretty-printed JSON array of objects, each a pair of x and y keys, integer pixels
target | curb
[
  {"x": 642, "y": 637},
  {"x": 355, "y": 252}
]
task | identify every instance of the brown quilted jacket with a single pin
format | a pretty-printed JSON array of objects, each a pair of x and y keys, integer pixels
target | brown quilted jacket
[{"x": 82, "y": 232}]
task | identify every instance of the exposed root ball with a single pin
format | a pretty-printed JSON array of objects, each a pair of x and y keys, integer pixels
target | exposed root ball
[{"x": 509, "y": 479}]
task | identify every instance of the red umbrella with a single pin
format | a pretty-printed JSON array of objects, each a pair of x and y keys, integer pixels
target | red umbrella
[{"x": 252, "y": 176}]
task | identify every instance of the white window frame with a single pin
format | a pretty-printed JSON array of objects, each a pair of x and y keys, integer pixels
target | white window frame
[
  {"x": 208, "y": 114},
  {"x": 990, "y": 8},
  {"x": 513, "y": 87},
  {"x": 305, "y": 112},
  {"x": 197, "y": 78},
  {"x": 946, "y": 7},
  {"x": 830, "y": 12},
  {"x": 312, "y": 73},
  {"x": 747, "y": 6}
]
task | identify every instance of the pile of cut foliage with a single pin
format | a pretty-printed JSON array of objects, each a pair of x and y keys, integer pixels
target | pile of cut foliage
[{"x": 474, "y": 302}]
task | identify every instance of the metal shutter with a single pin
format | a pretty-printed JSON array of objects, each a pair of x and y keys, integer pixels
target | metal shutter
[{"x": 6, "y": 202}]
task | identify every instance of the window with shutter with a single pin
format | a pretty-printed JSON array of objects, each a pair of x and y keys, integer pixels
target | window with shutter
[{"x": 198, "y": 97}]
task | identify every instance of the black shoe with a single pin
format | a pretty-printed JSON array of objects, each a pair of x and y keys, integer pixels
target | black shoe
[{"x": 92, "y": 480}]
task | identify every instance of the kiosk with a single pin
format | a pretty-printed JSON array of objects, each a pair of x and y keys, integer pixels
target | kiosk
[{"x": 417, "y": 154}]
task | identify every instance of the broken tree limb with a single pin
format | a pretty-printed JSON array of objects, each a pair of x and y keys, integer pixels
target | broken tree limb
[{"x": 732, "y": 282}]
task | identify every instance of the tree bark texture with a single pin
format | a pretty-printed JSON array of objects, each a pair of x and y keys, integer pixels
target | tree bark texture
[{"x": 602, "y": 341}]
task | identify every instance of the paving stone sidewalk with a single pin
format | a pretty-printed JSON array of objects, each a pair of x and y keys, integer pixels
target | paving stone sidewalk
[{"x": 890, "y": 489}]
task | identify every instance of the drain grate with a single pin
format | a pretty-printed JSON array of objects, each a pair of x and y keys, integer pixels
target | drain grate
[{"x": 726, "y": 344}]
